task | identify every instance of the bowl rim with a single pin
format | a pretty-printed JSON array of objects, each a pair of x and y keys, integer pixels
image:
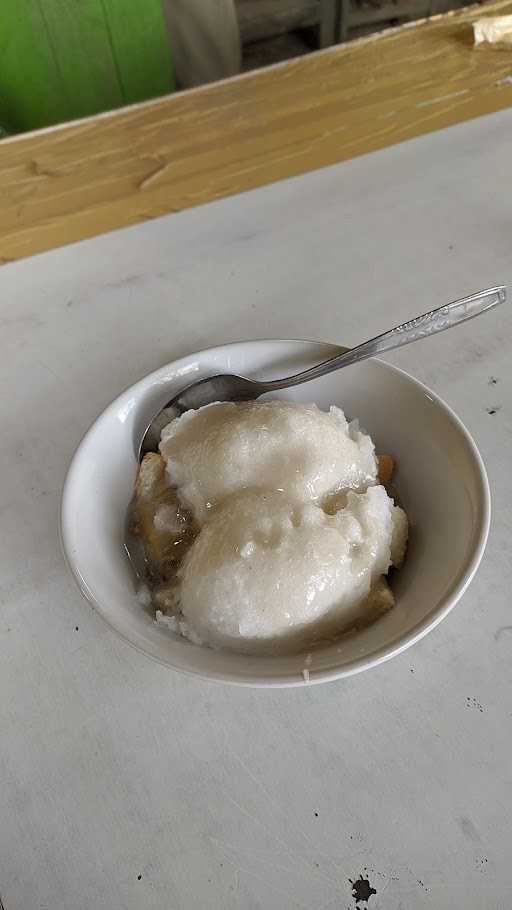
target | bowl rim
[{"x": 316, "y": 676}]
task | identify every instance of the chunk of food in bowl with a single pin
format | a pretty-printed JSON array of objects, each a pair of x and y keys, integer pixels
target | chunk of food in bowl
[{"x": 267, "y": 526}]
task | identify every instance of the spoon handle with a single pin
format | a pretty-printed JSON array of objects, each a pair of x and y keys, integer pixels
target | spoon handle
[{"x": 439, "y": 320}]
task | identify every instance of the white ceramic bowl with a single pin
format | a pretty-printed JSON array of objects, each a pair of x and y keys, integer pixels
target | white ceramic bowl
[{"x": 440, "y": 477}]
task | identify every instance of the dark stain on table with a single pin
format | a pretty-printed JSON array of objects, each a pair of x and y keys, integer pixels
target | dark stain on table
[{"x": 361, "y": 889}]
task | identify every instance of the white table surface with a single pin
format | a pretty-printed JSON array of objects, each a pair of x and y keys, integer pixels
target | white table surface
[{"x": 124, "y": 785}]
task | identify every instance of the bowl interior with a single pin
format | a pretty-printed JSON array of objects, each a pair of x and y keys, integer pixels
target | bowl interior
[{"x": 440, "y": 481}]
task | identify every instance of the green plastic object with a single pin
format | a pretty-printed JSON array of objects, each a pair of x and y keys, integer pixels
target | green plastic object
[{"x": 63, "y": 59}]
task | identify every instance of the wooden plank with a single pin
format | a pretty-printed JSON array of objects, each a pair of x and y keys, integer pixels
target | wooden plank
[{"x": 198, "y": 146}]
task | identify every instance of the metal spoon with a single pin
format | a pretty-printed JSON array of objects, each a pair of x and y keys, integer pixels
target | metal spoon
[{"x": 229, "y": 387}]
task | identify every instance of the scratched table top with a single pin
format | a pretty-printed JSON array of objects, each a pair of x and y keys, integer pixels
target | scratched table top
[{"x": 125, "y": 785}]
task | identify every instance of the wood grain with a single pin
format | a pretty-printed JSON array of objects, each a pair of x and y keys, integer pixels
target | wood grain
[{"x": 106, "y": 172}]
